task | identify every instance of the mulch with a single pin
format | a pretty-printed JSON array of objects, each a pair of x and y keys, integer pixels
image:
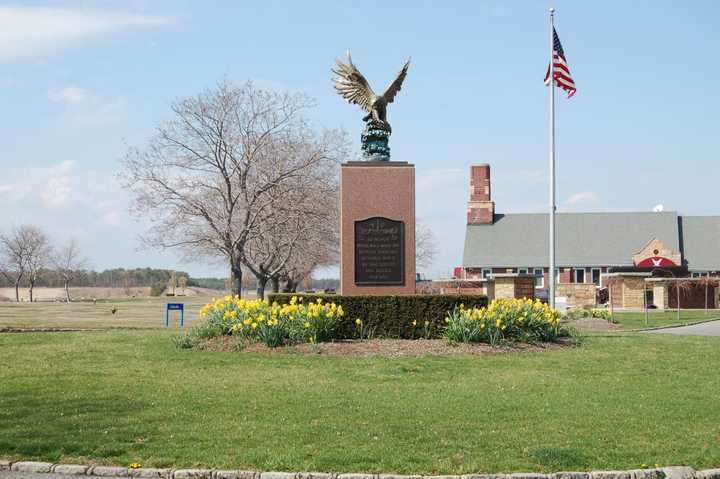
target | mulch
[{"x": 389, "y": 348}]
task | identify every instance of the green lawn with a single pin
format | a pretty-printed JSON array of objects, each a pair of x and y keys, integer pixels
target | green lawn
[
  {"x": 655, "y": 318},
  {"x": 619, "y": 401}
]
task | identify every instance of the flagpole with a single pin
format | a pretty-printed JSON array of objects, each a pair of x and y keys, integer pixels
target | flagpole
[{"x": 551, "y": 272}]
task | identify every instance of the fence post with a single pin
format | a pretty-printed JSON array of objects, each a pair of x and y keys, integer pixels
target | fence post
[
  {"x": 645, "y": 301},
  {"x": 677, "y": 294}
]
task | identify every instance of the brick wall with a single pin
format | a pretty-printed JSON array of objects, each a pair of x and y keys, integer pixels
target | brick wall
[
  {"x": 524, "y": 287},
  {"x": 481, "y": 209},
  {"x": 480, "y": 182}
]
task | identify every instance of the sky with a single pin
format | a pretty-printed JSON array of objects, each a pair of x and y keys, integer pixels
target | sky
[{"x": 81, "y": 82}]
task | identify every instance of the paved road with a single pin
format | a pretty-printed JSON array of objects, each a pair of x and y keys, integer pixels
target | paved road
[
  {"x": 711, "y": 328},
  {"x": 30, "y": 475}
]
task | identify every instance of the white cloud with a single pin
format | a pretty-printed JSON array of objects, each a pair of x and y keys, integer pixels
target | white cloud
[
  {"x": 112, "y": 218},
  {"x": 67, "y": 95},
  {"x": 85, "y": 108},
  {"x": 581, "y": 199},
  {"x": 96, "y": 112},
  {"x": 57, "y": 191},
  {"x": 48, "y": 187},
  {"x": 37, "y": 31},
  {"x": 70, "y": 199}
]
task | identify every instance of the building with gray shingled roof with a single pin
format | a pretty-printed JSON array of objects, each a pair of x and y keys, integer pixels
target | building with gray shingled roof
[{"x": 589, "y": 245}]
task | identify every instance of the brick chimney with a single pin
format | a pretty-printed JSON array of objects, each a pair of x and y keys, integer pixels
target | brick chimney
[{"x": 480, "y": 209}]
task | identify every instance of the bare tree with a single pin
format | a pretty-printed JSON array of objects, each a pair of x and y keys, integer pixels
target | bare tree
[
  {"x": 69, "y": 263},
  {"x": 317, "y": 248},
  {"x": 209, "y": 178},
  {"x": 14, "y": 256},
  {"x": 37, "y": 255},
  {"x": 302, "y": 222},
  {"x": 311, "y": 255},
  {"x": 172, "y": 284},
  {"x": 425, "y": 246},
  {"x": 182, "y": 283}
]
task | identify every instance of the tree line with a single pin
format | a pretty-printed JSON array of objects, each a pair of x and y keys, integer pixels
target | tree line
[{"x": 29, "y": 260}]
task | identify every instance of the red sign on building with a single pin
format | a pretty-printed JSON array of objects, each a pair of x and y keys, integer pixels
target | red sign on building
[{"x": 655, "y": 262}]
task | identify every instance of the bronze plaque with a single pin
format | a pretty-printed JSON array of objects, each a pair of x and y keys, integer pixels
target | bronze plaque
[{"x": 379, "y": 252}]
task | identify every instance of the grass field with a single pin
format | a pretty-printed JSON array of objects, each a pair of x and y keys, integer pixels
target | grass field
[
  {"x": 655, "y": 318},
  {"x": 130, "y": 313},
  {"x": 620, "y": 401}
]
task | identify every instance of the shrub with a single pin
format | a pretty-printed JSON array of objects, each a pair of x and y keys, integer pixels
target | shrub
[
  {"x": 390, "y": 316},
  {"x": 184, "y": 341},
  {"x": 157, "y": 288},
  {"x": 504, "y": 320},
  {"x": 574, "y": 314},
  {"x": 602, "y": 314}
]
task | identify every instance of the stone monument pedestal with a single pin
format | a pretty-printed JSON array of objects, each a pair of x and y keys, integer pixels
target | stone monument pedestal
[{"x": 377, "y": 228}]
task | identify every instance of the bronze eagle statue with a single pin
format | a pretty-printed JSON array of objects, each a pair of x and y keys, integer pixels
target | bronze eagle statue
[{"x": 353, "y": 87}]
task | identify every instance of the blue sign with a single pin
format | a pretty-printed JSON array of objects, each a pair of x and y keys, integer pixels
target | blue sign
[{"x": 174, "y": 307}]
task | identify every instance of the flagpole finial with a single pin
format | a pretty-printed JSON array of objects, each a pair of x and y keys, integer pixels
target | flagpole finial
[{"x": 552, "y": 10}]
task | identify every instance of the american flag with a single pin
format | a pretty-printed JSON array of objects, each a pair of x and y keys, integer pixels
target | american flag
[{"x": 560, "y": 68}]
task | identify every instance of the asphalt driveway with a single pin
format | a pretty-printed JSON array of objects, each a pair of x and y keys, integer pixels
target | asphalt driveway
[{"x": 711, "y": 328}]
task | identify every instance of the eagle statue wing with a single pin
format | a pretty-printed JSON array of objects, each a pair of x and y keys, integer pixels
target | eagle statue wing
[
  {"x": 352, "y": 85},
  {"x": 396, "y": 84}
]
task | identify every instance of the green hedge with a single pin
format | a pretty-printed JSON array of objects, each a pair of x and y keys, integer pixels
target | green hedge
[{"x": 391, "y": 316}]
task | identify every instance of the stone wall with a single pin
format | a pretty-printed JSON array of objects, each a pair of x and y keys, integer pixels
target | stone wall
[
  {"x": 513, "y": 286},
  {"x": 461, "y": 286},
  {"x": 615, "y": 291},
  {"x": 499, "y": 286},
  {"x": 504, "y": 288},
  {"x": 660, "y": 295},
  {"x": 579, "y": 295},
  {"x": 633, "y": 292}
]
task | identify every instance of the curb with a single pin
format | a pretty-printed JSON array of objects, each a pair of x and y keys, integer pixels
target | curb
[
  {"x": 44, "y": 330},
  {"x": 672, "y": 326},
  {"x": 36, "y": 467},
  {"x": 8, "y": 329}
]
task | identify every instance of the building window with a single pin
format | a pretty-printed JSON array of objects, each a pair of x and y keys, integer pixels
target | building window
[
  {"x": 522, "y": 270},
  {"x": 595, "y": 276},
  {"x": 486, "y": 272},
  {"x": 580, "y": 275},
  {"x": 557, "y": 275},
  {"x": 539, "y": 278}
]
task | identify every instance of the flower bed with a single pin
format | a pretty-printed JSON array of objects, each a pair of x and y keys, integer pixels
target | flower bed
[
  {"x": 301, "y": 321},
  {"x": 505, "y": 320},
  {"x": 272, "y": 324}
]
